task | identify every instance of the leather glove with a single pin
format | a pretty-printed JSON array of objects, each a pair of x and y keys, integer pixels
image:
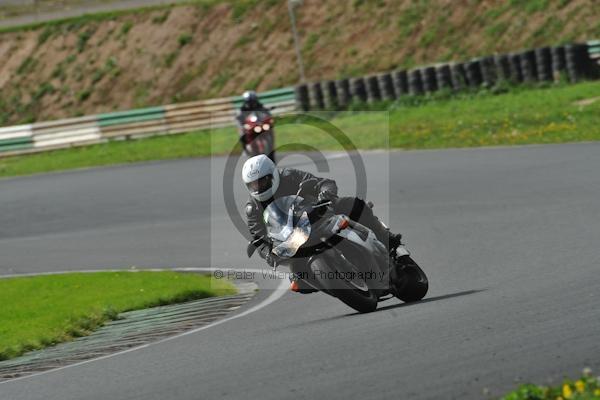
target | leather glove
[
  {"x": 326, "y": 195},
  {"x": 271, "y": 259}
]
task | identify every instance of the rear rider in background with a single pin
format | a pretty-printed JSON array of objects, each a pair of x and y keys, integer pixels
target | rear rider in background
[{"x": 251, "y": 104}]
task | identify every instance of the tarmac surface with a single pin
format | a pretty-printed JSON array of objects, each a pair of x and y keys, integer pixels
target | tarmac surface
[{"x": 508, "y": 237}]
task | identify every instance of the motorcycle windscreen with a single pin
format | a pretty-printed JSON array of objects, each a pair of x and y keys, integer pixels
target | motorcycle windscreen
[
  {"x": 284, "y": 227},
  {"x": 296, "y": 239}
]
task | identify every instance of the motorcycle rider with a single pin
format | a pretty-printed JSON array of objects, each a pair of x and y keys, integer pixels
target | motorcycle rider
[
  {"x": 251, "y": 104},
  {"x": 265, "y": 182}
]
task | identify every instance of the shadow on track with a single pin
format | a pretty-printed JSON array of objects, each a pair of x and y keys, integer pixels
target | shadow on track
[
  {"x": 427, "y": 300},
  {"x": 397, "y": 305}
]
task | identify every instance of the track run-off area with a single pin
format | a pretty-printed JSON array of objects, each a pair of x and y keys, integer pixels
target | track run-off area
[{"x": 507, "y": 236}]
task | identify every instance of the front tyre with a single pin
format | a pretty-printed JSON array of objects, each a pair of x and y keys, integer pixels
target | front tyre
[
  {"x": 354, "y": 294},
  {"x": 413, "y": 283}
]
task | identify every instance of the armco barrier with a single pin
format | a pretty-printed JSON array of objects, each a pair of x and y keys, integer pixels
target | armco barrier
[
  {"x": 271, "y": 98},
  {"x": 66, "y": 132},
  {"x": 196, "y": 115},
  {"x": 170, "y": 119},
  {"x": 594, "y": 51},
  {"x": 217, "y": 113},
  {"x": 133, "y": 123},
  {"x": 15, "y": 138},
  {"x": 579, "y": 61}
]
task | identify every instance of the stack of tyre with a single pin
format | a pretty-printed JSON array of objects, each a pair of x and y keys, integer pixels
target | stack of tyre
[{"x": 572, "y": 62}]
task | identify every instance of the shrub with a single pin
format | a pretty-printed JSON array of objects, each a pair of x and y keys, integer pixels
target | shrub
[
  {"x": 83, "y": 38},
  {"x": 184, "y": 39},
  {"x": 126, "y": 28},
  {"x": 585, "y": 388},
  {"x": 84, "y": 95},
  {"x": 159, "y": 19},
  {"x": 26, "y": 66}
]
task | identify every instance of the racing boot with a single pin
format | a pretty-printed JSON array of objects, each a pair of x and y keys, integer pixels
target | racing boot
[
  {"x": 299, "y": 286},
  {"x": 383, "y": 233},
  {"x": 389, "y": 239},
  {"x": 394, "y": 240}
]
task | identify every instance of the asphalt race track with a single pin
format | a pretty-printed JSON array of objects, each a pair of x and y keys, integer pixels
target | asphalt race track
[
  {"x": 88, "y": 7},
  {"x": 508, "y": 236}
]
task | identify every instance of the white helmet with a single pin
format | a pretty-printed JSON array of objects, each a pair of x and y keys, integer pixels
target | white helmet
[
  {"x": 261, "y": 177},
  {"x": 250, "y": 95}
]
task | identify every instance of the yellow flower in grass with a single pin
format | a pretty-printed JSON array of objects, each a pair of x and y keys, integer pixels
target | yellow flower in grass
[
  {"x": 580, "y": 386},
  {"x": 567, "y": 392},
  {"x": 597, "y": 392}
]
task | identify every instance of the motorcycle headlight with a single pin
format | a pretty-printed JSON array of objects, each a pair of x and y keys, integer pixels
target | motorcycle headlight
[
  {"x": 247, "y": 127},
  {"x": 257, "y": 129},
  {"x": 266, "y": 127}
]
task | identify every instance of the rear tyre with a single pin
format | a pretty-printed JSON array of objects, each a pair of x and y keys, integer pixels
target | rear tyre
[
  {"x": 363, "y": 301},
  {"x": 413, "y": 285}
]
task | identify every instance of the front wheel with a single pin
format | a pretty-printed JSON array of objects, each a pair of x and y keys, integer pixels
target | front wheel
[
  {"x": 413, "y": 283},
  {"x": 351, "y": 292}
]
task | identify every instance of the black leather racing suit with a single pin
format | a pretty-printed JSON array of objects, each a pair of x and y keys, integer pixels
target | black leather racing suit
[{"x": 289, "y": 183}]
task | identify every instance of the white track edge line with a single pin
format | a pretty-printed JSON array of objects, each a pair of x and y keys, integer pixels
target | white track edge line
[{"x": 276, "y": 295}]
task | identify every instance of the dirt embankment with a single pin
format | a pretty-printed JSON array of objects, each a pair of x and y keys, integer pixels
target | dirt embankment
[{"x": 91, "y": 65}]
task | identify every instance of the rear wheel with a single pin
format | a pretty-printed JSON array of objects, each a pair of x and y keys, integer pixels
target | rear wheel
[
  {"x": 352, "y": 292},
  {"x": 412, "y": 282}
]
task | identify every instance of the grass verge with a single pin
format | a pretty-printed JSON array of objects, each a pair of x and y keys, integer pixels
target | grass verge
[
  {"x": 585, "y": 388},
  {"x": 520, "y": 116},
  {"x": 41, "y": 311}
]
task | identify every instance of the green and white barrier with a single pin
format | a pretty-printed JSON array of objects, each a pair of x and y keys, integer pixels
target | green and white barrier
[
  {"x": 133, "y": 124},
  {"x": 15, "y": 138},
  {"x": 66, "y": 132}
]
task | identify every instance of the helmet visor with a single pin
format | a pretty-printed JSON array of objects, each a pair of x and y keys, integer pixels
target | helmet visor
[{"x": 260, "y": 185}]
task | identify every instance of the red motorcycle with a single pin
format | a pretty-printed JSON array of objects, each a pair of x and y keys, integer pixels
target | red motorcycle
[{"x": 258, "y": 136}]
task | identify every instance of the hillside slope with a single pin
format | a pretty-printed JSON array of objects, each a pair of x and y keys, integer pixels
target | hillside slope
[{"x": 214, "y": 48}]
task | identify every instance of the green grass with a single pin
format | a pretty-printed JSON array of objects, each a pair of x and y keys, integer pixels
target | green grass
[
  {"x": 520, "y": 116},
  {"x": 585, "y": 388},
  {"x": 43, "y": 310}
]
